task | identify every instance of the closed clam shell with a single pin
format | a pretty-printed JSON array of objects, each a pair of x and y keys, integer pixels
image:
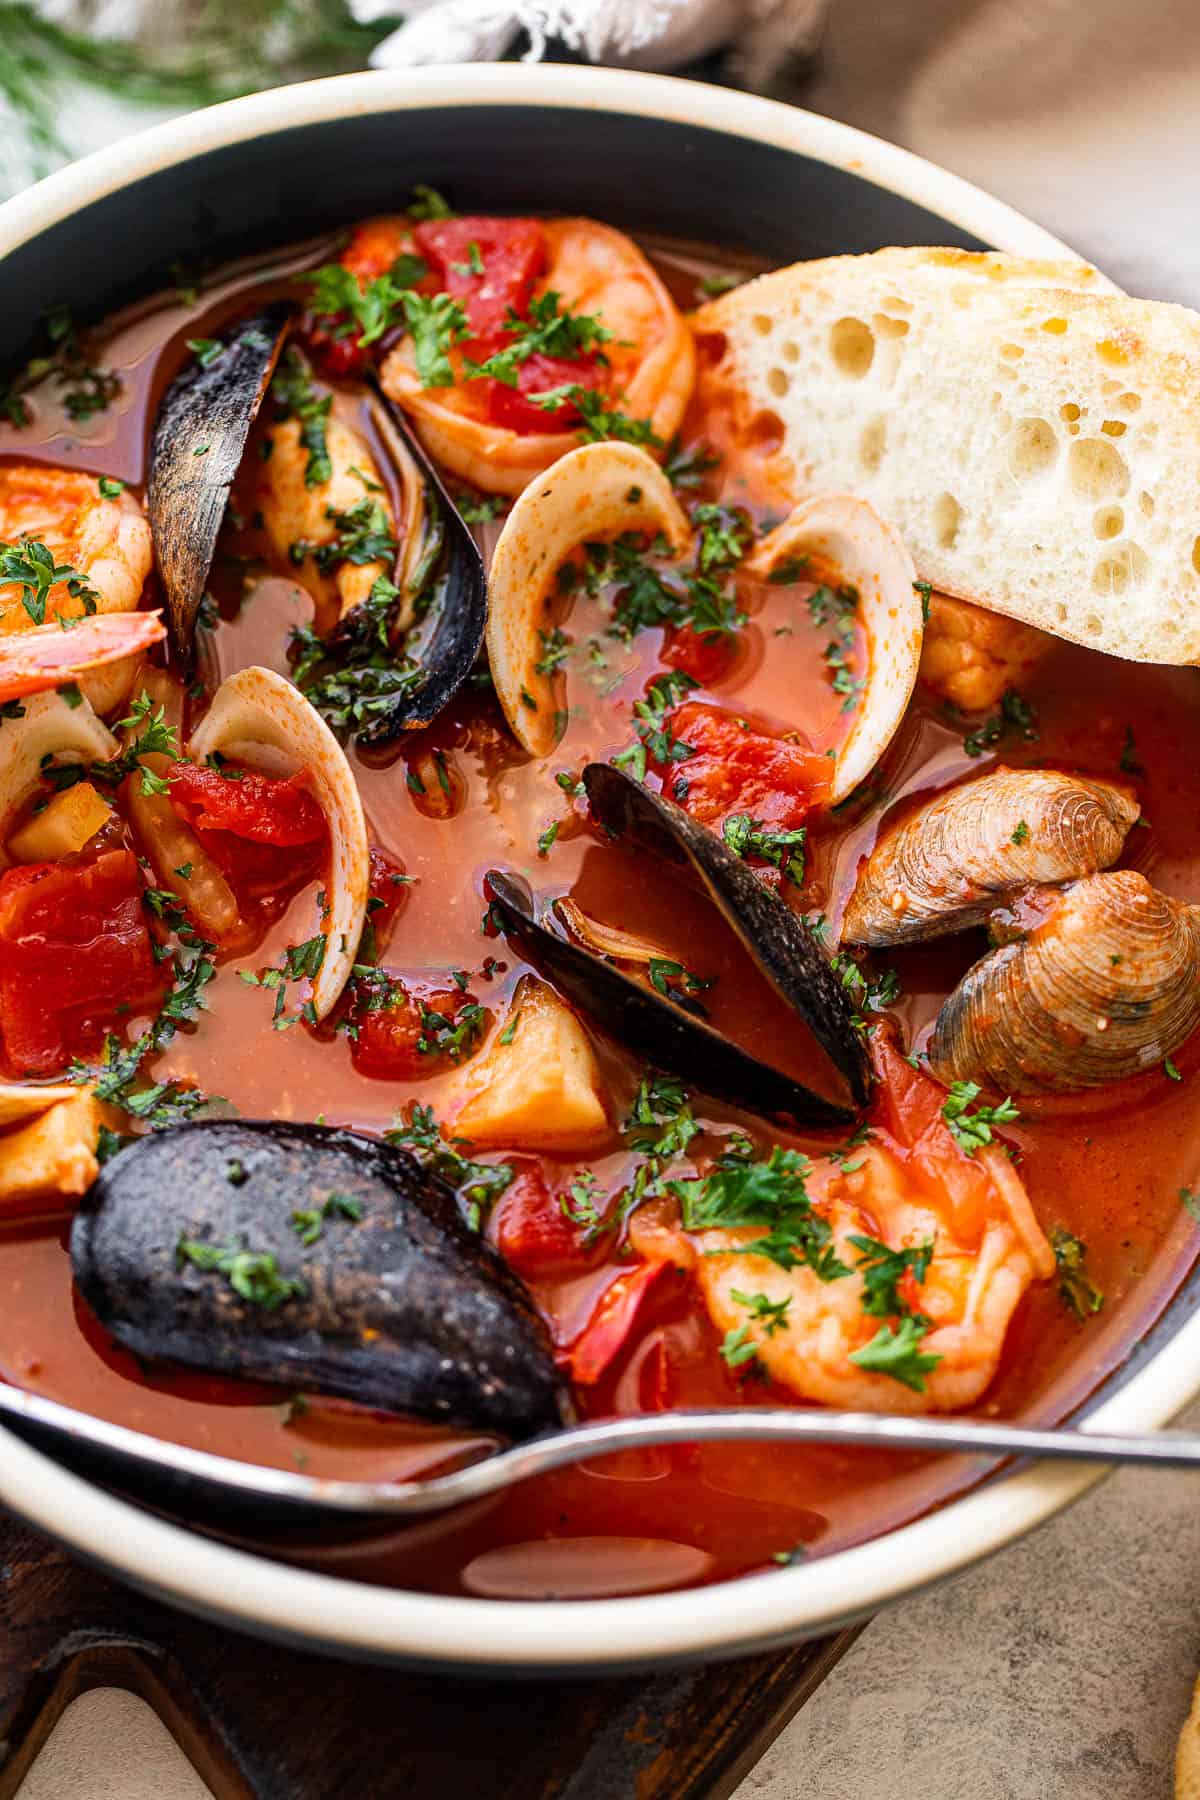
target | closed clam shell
[
  {"x": 1107, "y": 986},
  {"x": 945, "y": 866}
]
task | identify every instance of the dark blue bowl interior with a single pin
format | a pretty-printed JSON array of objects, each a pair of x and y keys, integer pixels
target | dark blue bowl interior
[{"x": 639, "y": 173}]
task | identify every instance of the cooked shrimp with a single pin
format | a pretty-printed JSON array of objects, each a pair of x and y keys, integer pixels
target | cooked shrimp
[
  {"x": 651, "y": 362},
  {"x": 985, "y": 1254},
  {"x": 971, "y": 657},
  {"x": 106, "y": 541},
  {"x": 294, "y": 513}
]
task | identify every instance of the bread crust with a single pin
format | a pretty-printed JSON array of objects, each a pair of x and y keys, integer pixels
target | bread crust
[{"x": 1033, "y": 433}]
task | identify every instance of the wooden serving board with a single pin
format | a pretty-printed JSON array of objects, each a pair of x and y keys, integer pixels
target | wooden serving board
[{"x": 264, "y": 1723}]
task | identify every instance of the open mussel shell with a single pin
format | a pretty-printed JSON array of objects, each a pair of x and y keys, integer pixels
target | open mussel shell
[
  {"x": 357, "y": 1275},
  {"x": 779, "y": 942},
  {"x": 1107, "y": 986},
  {"x": 656, "y": 1028},
  {"x": 199, "y": 437},
  {"x": 445, "y": 641}
]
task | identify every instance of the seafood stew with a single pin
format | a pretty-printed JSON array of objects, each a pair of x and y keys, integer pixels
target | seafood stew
[{"x": 587, "y": 917}]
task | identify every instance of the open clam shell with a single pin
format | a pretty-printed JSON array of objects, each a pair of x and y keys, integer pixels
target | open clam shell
[
  {"x": 846, "y": 539},
  {"x": 600, "y": 490},
  {"x": 665, "y": 1033},
  {"x": 1107, "y": 986},
  {"x": 259, "y": 718},
  {"x": 944, "y": 867},
  {"x": 780, "y": 943},
  {"x": 199, "y": 437}
]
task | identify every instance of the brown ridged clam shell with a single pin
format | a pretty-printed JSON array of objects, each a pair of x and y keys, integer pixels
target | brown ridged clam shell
[
  {"x": 1108, "y": 986},
  {"x": 944, "y": 867}
]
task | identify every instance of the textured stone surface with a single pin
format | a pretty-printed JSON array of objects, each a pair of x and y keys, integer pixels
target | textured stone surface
[{"x": 1060, "y": 1670}]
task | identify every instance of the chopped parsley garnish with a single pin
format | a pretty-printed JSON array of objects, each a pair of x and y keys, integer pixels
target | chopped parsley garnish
[
  {"x": 597, "y": 420},
  {"x": 882, "y": 1269},
  {"x": 925, "y": 590},
  {"x": 549, "y": 330},
  {"x": 295, "y": 397},
  {"x": 453, "y": 1037},
  {"x": 1016, "y": 718},
  {"x": 436, "y": 322},
  {"x": 205, "y": 350},
  {"x": 476, "y": 509},
  {"x": 1021, "y": 834},
  {"x": 1170, "y": 1070},
  {"x": 972, "y": 1130},
  {"x": 478, "y": 1184},
  {"x": 772, "y": 1194},
  {"x": 253, "y": 1274},
  {"x": 738, "y": 1347},
  {"x": 725, "y": 537},
  {"x": 1075, "y": 1286},
  {"x": 896, "y": 1351},
  {"x": 110, "y": 488},
  {"x": 356, "y": 675},
  {"x": 772, "y": 1315},
  {"x": 686, "y": 469},
  {"x": 309, "y": 1222},
  {"x": 362, "y": 534},
  {"x": 546, "y": 840},
  {"x": 868, "y": 993},
  {"x": 427, "y": 203},
  {"x": 555, "y": 645},
  {"x": 676, "y": 982},
  {"x": 773, "y": 844},
  {"x": 655, "y": 741},
  {"x": 31, "y": 566}
]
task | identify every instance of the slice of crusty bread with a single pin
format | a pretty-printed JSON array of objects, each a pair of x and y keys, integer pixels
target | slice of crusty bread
[{"x": 1034, "y": 434}]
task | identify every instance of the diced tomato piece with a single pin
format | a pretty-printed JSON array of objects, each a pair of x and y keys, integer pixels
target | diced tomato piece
[
  {"x": 734, "y": 768},
  {"x": 705, "y": 656},
  {"x": 74, "y": 948},
  {"x": 494, "y": 279},
  {"x": 533, "y": 1234},
  {"x": 517, "y": 409},
  {"x": 610, "y": 1326},
  {"x": 388, "y": 892},
  {"x": 263, "y": 808},
  {"x": 907, "y": 1102},
  {"x": 390, "y": 1036}
]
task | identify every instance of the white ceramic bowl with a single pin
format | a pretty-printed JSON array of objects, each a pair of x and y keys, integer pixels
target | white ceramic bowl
[{"x": 731, "y": 158}]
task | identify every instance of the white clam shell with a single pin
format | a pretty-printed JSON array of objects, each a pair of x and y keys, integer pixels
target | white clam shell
[
  {"x": 845, "y": 534},
  {"x": 598, "y": 491},
  {"x": 258, "y": 718}
]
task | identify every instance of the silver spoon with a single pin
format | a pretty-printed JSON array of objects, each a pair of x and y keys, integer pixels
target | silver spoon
[{"x": 197, "y": 1480}]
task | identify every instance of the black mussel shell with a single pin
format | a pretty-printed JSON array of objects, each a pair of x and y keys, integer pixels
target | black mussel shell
[
  {"x": 665, "y": 1033},
  {"x": 780, "y": 943},
  {"x": 359, "y": 1276},
  {"x": 447, "y": 641},
  {"x": 199, "y": 437}
]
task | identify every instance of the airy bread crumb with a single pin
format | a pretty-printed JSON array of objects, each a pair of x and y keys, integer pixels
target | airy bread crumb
[{"x": 1034, "y": 436}]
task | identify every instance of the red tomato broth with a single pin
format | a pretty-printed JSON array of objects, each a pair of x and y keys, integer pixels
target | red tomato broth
[{"x": 1106, "y": 1165}]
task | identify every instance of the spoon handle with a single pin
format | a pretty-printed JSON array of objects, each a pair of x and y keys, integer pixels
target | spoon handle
[{"x": 143, "y": 1464}]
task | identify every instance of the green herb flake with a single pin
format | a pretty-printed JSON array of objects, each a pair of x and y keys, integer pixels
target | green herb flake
[{"x": 1075, "y": 1286}]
